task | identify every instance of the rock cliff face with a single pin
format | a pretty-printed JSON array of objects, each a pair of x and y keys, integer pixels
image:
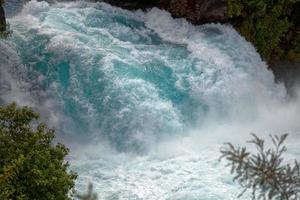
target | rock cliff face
[
  {"x": 197, "y": 11},
  {"x": 133, "y": 4},
  {"x": 289, "y": 74},
  {"x": 2, "y": 19}
]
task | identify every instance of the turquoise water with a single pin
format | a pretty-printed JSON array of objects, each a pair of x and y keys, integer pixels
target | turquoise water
[{"x": 143, "y": 100}]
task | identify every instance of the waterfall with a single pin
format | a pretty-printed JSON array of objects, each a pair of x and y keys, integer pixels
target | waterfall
[{"x": 143, "y": 100}]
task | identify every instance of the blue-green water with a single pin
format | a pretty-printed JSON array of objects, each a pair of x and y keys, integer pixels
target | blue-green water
[{"x": 142, "y": 99}]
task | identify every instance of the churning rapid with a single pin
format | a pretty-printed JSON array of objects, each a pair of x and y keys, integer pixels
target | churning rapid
[{"x": 143, "y": 100}]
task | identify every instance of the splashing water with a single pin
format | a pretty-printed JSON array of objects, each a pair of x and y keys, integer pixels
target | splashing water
[{"x": 144, "y": 100}]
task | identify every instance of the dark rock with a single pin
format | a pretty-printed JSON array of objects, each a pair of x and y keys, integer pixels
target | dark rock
[
  {"x": 133, "y": 4},
  {"x": 288, "y": 73},
  {"x": 2, "y": 19},
  {"x": 197, "y": 11}
]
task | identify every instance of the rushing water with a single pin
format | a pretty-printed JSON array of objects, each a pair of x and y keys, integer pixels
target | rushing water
[{"x": 143, "y": 100}]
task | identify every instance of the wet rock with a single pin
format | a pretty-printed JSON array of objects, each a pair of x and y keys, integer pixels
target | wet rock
[
  {"x": 2, "y": 19},
  {"x": 288, "y": 73},
  {"x": 197, "y": 11},
  {"x": 133, "y": 4}
]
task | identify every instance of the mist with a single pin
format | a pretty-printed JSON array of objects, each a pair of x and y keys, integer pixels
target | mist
[{"x": 143, "y": 108}]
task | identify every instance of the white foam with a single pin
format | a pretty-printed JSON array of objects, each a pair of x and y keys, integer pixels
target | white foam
[{"x": 211, "y": 64}]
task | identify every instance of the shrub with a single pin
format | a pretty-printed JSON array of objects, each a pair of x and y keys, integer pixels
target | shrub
[
  {"x": 270, "y": 25},
  {"x": 264, "y": 172},
  {"x": 31, "y": 168}
]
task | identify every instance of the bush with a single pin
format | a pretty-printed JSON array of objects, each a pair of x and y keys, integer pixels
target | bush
[
  {"x": 31, "y": 168},
  {"x": 270, "y": 25},
  {"x": 264, "y": 172}
]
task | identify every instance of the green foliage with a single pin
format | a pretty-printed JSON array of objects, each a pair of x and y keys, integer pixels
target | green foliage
[
  {"x": 264, "y": 172},
  {"x": 235, "y": 8},
  {"x": 266, "y": 24},
  {"x": 31, "y": 168},
  {"x": 294, "y": 52}
]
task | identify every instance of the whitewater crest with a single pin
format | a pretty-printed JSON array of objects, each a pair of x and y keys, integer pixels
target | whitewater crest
[
  {"x": 142, "y": 93},
  {"x": 130, "y": 78}
]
